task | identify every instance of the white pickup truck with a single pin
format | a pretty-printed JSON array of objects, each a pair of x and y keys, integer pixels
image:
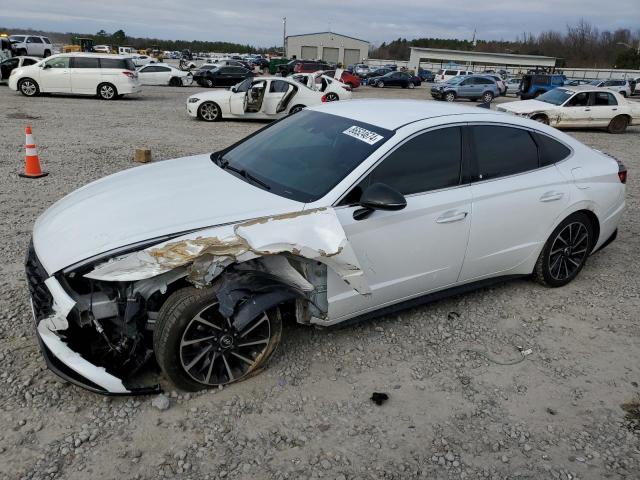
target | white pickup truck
[{"x": 32, "y": 45}]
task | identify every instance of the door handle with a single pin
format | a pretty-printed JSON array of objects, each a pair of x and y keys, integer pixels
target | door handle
[
  {"x": 551, "y": 196},
  {"x": 450, "y": 217},
  {"x": 587, "y": 109}
]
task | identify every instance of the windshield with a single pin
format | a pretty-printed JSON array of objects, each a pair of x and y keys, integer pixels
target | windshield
[
  {"x": 594, "y": 82},
  {"x": 16, "y": 39},
  {"x": 557, "y": 96},
  {"x": 305, "y": 155},
  {"x": 455, "y": 80}
]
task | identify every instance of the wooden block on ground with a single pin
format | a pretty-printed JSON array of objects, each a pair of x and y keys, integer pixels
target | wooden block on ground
[{"x": 143, "y": 155}]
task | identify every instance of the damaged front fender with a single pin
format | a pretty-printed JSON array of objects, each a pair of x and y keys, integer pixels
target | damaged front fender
[{"x": 314, "y": 234}]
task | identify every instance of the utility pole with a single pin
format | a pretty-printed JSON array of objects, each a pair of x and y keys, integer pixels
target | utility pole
[{"x": 284, "y": 37}]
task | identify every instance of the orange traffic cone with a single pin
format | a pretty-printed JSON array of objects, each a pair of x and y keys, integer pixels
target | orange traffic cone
[{"x": 32, "y": 161}]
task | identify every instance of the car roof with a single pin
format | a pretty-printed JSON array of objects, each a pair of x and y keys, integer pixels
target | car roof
[
  {"x": 587, "y": 88},
  {"x": 92, "y": 55},
  {"x": 395, "y": 113}
]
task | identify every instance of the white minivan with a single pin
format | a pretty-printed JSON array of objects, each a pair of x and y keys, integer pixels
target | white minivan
[
  {"x": 446, "y": 74},
  {"x": 107, "y": 76}
]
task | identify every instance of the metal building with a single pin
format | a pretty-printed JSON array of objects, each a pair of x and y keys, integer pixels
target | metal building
[
  {"x": 328, "y": 46},
  {"x": 435, "y": 55}
]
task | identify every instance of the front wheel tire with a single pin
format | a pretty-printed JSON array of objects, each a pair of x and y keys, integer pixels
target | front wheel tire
[
  {"x": 450, "y": 97},
  {"x": 197, "y": 348},
  {"x": 209, "y": 112},
  {"x": 296, "y": 109},
  {"x": 565, "y": 252},
  {"x": 28, "y": 87}
]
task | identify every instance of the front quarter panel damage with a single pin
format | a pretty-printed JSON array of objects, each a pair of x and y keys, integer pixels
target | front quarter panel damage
[{"x": 313, "y": 234}]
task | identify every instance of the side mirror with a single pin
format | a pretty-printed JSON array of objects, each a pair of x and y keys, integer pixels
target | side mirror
[
  {"x": 46, "y": 65},
  {"x": 233, "y": 89},
  {"x": 379, "y": 196}
]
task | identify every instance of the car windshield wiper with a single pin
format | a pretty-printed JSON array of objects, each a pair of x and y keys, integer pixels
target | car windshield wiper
[{"x": 224, "y": 164}]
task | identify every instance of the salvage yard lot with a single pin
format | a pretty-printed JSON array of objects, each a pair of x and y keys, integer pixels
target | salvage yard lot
[{"x": 451, "y": 413}]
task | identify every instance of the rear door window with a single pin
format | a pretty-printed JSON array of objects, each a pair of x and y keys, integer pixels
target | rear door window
[
  {"x": 84, "y": 62},
  {"x": 603, "y": 98},
  {"x": 120, "y": 63},
  {"x": 501, "y": 151},
  {"x": 430, "y": 161}
]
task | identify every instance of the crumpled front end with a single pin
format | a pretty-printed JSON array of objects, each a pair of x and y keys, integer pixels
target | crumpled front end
[
  {"x": 51, "y": 307},
  {"x": 95, "y": 320}
]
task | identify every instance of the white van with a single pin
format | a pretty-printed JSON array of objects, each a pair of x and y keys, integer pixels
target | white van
[
  {"x": 107, "y": 76},
  {"x": 445, "y": 74}
]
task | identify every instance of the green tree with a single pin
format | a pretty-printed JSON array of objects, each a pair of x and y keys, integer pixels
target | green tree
[{"x": 119, "y": 37}]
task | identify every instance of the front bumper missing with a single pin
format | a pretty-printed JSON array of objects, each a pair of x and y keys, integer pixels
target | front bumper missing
[{"x": 68, "y": 364}]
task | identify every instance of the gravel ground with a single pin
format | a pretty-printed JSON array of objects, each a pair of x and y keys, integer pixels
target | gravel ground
[{"x": 451, "y": 414}]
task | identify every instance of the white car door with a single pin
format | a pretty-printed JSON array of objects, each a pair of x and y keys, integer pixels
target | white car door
[
  {"x": 55, "y": 75},
  {"x": 574, "y": 113},
  {"x": 146, "y": 75},
  {"x": 418, "y": 249},
  {"x": 163, "y": 75},
  {"x": 276, "y": 91},
  {"x": 516, "y": 201},
  {"x": 85, "y": 75},
  {"x": 603, "y": 106}
]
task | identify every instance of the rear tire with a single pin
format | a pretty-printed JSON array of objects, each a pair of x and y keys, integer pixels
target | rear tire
[
  {"x": 380, "y": 84},
  {"x": 296, "y": 109},
  {"x": 107, "y": 91},
  {"x": 209, "y": 83},
  {"x": 218, "y": 356},
  {"x": 618, "y": 124},
  {"x": 565, "y": 252},
  {"x": 332, "y": 97},
  {"x": 28, "y": 87},
  {"x": 487, "y": 97},
  {"x": 412, "y": 85}
]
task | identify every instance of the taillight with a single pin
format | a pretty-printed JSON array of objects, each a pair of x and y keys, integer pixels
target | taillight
[
  {"x": 347, "y": 88},
  {"x": 622, "y": 172},
  {"x": 131, "y": 75},
  {"x": 324, "y": 98}
]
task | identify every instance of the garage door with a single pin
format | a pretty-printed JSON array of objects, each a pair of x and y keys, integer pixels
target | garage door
[
  {"x": 330, "y": 55},
  {"x": 351, "y": 56},
  {"x": 309, "y": 53}
]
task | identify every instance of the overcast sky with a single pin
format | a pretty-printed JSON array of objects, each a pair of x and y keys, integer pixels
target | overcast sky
[{"x": 259, "y": 22}]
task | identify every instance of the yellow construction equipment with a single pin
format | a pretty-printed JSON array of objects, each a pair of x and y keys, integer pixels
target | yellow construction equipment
[{"x": 79, "y": 44}]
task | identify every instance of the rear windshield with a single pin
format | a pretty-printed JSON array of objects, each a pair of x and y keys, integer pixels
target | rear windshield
[
  {"x": 305, "y": 155},
  {"x": 120, "y": 63}
]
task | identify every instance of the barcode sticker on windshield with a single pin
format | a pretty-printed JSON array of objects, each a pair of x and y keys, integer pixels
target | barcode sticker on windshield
[{"x": 363, "y": 134}]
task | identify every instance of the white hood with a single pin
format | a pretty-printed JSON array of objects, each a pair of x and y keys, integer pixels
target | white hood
[
  {"x": 526, "y": 106},
  {"x": 147, "y": 202}
]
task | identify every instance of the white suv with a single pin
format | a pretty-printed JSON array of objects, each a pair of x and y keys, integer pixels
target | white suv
[
  {"x": 620, "y": 86},
  {"x": 107, "y": 76},
  {"x": 33, "y": 45},
  {"x": 446, "y": 74}
]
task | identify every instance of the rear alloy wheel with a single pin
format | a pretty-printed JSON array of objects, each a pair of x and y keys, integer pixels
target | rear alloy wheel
[
  {"x": 565, "y": 252},
  {"x": 618, "y": 124},
  {"x": 209, "y": 112},
  {"x": 106, "y": 91},
  {"x": 450, "y": 97},
  {"x": 197, "y": 347},
  {"x": 28, "y": 87},
  {"x": 332, "y": 97},
  {"x": 380, "y": 84},
  {"x": 487, "y": 97}
]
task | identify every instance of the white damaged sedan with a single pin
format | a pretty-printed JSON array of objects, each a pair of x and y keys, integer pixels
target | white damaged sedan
[
  {"x": 342, "y": 211},
  {"x": 581, "y": 106},
  {"x": 264, "y": 98}
]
